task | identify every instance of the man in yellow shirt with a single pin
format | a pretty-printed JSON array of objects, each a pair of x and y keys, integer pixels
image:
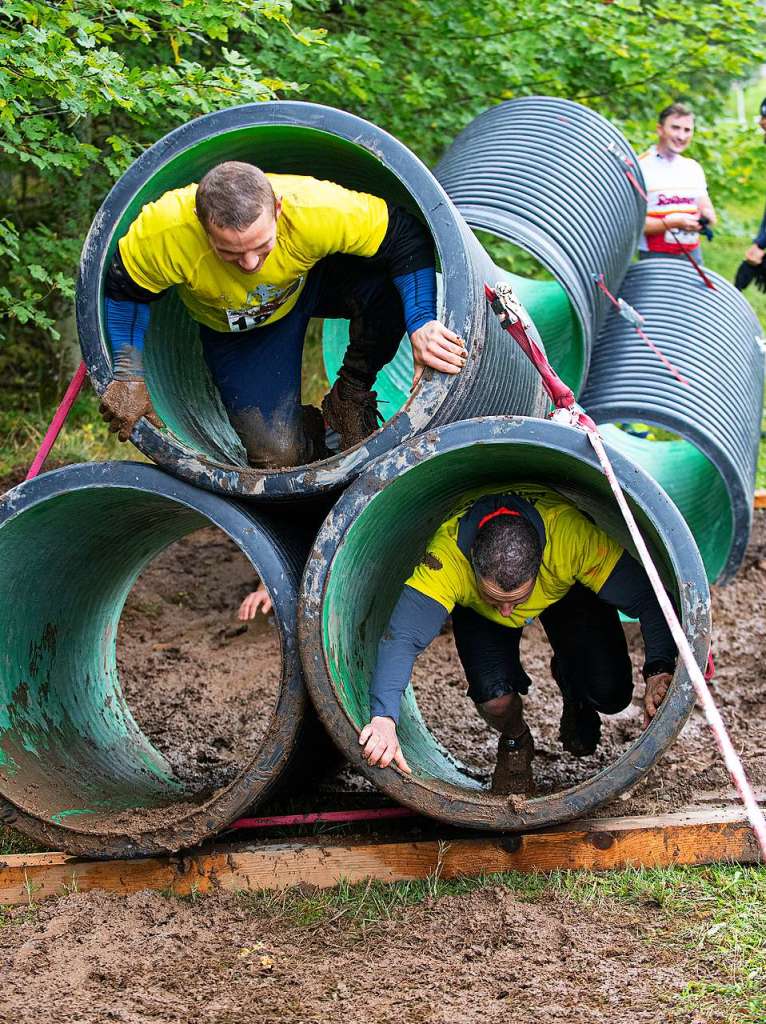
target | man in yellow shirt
[
  {"x": 254, "y": 256},
  {"x": 500, "y": 561}
]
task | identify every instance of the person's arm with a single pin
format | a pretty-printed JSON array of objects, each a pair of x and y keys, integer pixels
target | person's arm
[
  {"x": 415, "y": 621},
  {"x": 628, "y": 588},
  {"x": 706, "y": 209},
  {"x": 407, "y": 249},
  {"x": 127, "y": 310},
  {"x": 676, "y": 221}
]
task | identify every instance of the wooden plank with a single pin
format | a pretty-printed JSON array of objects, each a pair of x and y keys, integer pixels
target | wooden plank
[
  {"x": 759, "y": 499},
  {"x": 699, "y": 836}
]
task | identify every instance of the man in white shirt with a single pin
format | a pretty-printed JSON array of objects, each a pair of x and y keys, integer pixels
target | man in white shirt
[{"x": 678, "y": 202}]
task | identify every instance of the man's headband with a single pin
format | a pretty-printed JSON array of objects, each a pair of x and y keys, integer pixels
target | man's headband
[{"x": 503, "y": 511}]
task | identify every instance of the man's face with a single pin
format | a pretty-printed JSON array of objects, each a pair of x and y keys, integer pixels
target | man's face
[
  {"x": 675, "y": 133},
  {"x": 504, "y": 601},
  {"x": 250, "y": 247},
  {"x": 762, "y": 123}
]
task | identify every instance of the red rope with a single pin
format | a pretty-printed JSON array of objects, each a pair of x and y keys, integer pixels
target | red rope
[
  {"x": 58, "y": 420},
  {"x": 338, "y": 817},
  {"x": 640, "y": 332}
]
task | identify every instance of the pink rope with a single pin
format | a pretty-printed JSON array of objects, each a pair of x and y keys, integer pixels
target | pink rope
[
  {"x": 600, "y": 283},
  {"x": 323, "y": 816},
  {"x": 57, "y": 422},
  {"x": 576, "y": 418}
]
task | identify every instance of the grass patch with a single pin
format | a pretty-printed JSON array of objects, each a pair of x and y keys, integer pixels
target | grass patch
[
  {"x": 716, "y": 914},
  {"x": 12, "y": 841},
  {"x": 84, "y": 438}
]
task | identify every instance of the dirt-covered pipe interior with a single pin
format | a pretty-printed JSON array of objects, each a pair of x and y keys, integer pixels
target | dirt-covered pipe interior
[
  {"x": 76, "y": 770},
  {"x": 199, "y": 443},
  {"x": 375, "y": 535},
  {"x": 705, "y": 451}
]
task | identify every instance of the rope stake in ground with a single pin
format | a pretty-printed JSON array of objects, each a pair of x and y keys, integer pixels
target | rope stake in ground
[
  {"x": 58, "y": 420},
  {"x": 634, "y": 318},
  {"x": 512, "y": 318}
]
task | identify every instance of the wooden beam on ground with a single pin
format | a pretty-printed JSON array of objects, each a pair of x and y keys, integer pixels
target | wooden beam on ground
[
  {"x": 759, "y": 499},
  {"x": 698, "y": 836}
]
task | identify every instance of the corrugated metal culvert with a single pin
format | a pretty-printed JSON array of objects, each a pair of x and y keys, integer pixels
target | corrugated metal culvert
[
  {"x": 199, "y": 444},
  {"x": 712, "y": 339},
  {"x": 377, "y": 532},
  {"x": 550, "y": 176}
]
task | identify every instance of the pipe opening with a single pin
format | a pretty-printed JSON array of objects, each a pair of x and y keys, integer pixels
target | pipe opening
[
  {"x": 359, "y": 599},
  {"x": 200, "y": 684},
  {"x": 131, "y": 702},
  {"x": 372, "y": 541},
  {"x": 179, "y": 381}
]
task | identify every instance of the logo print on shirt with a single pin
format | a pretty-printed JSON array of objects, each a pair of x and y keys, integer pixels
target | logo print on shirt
[{"x": 261, "y": 303}]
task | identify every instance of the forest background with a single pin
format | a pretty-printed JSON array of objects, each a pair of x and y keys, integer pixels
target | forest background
[{"x": 86, "y": 85}]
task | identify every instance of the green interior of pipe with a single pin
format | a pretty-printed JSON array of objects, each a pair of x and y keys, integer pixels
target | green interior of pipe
[
  {"x": 383, "y": 544},
  {"x": 177, "y": 376},
  {"x": 69, "y": 745},
  {"x": 549, "y": 307},
  {"x": 694, "y": 484},
  {"x": 547, "y": 303}
]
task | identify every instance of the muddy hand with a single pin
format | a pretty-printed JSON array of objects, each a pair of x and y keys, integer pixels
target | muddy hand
[
  {"x": 656, "y": 691},
  {"x": 436, "y": 346},
  {"x": 124, "y": 403},
  {"x": 381, "y": 746}
]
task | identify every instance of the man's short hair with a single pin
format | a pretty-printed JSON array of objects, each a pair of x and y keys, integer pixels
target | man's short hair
[
  {"x": 233, "y": 195},
  {"x": 674, "y": 110},
  {"x": 507, "y": 551}
]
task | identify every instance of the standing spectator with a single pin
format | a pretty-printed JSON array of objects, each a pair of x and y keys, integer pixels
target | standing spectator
[
  {"x": 678, "y": 203},
  {"x": 752, "y": 267}
]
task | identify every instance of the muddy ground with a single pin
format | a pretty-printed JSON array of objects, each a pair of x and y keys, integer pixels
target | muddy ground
[
  {"x": 483, "y": 957},
  {"x": 188, "y": 671}
]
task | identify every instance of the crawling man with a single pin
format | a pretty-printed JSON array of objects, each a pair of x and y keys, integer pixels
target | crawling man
[
  {"x": 503, "y": 558},
  {"x": 254, "y": 256}
]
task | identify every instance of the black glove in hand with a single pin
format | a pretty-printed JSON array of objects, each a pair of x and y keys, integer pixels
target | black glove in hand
[{"x": 124, "y": 403}]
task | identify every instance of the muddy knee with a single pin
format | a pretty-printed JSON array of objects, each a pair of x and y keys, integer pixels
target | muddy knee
[{"x": 504, "y": 713}]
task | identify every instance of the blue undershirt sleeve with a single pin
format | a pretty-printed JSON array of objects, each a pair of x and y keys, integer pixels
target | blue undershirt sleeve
[
  {"x": 418, "y": 292},
  {"x": 126, "y": 326},
  {"x": 628, "y": 588},
  {"x": 414, "y": 623}
]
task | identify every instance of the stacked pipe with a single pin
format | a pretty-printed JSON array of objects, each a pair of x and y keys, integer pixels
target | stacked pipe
[
  {"x": 425, "y": 456},
  {"x": 711, "y": 337}
]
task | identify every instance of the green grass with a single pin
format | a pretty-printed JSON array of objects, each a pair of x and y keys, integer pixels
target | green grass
[{"x": 84, "y": 438}]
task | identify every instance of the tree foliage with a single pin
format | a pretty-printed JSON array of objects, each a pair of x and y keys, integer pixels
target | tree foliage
[{"x": 85, "y": 85}]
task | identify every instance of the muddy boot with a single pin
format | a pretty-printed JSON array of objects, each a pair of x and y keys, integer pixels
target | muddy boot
[
  {"x": 314, "y": 432},
  {"x": 513, "y": 770},
  {"x": 580, "y": 728},
  {"x": 351, "y": 412},
  {"x": 580, "y": 725}
]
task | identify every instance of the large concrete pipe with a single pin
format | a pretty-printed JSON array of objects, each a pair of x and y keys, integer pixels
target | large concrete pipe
[
  {"x": 199, "y": 444},
  {"x": 549, "y": 176},
  {"x": 714, "y": 340},
  {"x": 375, "y": 535},
  {"x": 76, "y": 770}
]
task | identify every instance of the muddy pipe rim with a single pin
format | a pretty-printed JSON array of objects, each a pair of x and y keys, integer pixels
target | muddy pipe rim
[
  {"x": 477, "y": 809},
  {"x": 450, "y": 241},
  {"x": 261, "y": 772}
]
